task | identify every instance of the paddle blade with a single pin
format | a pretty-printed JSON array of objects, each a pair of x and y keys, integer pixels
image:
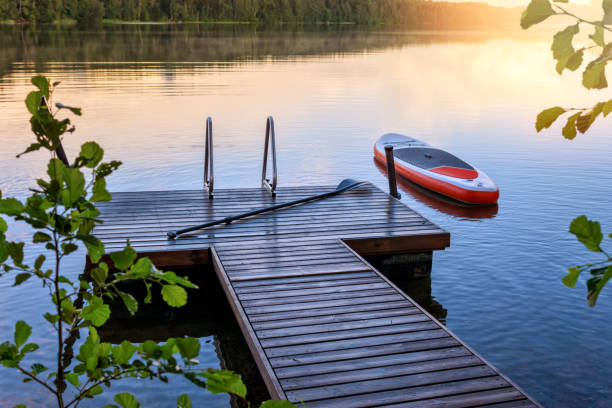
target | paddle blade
[{"x": 345, "y": 183}]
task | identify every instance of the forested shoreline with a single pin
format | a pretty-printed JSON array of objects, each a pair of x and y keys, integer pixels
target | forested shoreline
[{"x": 372, "y": 12}]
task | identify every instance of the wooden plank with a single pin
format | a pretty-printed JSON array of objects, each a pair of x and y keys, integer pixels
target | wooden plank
[
  {"x": 364, "y": 363},
  {"x": 326, "y": 311},
  {"x": 287, "y": 263},
  {"x": 334, "y": 318},
  {"x": 322, "y": 304},
  {"x": 305, "y": 299},
  {"x": 277, "y": 293},
  {"x": 336, "y": 326},
  {"x": 301, "y": 271},
  {"x": 224, "y": 230},
  {"x": 409, "y": 238},
  {"x": 391, "y": 383},
  {"x": 483, "y": 398},
  {"x": 338, "y": 283},
  {"x": 411, "y": 394},
  {"x": 274, "y": 387},
  {"x": 333, "y": 206},
  {"x": 359, "y": 348},
  {"x": 171, "y": 220},
  {"x": 305, "y": 279},
  {"x": 224, "y": 208}
]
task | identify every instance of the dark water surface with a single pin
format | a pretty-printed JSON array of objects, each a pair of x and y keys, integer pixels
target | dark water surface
[{"x": 145, "y": 92}]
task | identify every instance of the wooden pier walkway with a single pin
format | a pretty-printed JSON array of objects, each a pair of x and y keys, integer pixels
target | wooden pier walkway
[{"x": 324, "y": 326}]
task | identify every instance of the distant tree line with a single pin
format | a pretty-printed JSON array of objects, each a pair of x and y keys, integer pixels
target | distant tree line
[{"x": 404, "y": 12}]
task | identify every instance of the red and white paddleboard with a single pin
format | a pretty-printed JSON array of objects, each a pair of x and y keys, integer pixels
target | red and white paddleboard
[{"x": 437, "y": 170}]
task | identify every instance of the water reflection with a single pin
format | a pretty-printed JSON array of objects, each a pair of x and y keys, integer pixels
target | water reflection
[
  {"x": 440, "y": 202},
  {"x": 148, "y": 46}
]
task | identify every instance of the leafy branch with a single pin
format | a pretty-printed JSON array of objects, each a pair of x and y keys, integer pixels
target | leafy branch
[{"x": 580, "y": 119}]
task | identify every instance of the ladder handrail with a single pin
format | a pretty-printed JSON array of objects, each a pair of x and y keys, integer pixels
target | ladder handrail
[
  {"x": 208, "y": 159},
  {"x": 270, "y": 139}
]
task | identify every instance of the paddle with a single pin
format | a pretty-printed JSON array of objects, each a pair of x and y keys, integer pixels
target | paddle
[{"x": 345, "y": 185}]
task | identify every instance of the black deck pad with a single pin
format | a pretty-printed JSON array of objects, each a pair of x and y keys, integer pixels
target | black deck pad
[{"x": 430, "y": 158}]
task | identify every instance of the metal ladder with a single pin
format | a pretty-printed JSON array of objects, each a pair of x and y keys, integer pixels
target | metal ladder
[{"x": 270, "y": 145}]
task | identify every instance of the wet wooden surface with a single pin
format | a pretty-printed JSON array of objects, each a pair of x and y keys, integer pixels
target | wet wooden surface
[{"x": 324, "y": 327}]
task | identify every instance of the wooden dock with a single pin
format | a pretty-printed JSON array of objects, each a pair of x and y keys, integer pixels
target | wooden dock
[{"x": 325, "y": 327}]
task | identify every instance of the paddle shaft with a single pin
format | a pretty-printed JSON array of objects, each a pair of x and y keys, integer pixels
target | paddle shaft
[{"x": 229, "y": 220}]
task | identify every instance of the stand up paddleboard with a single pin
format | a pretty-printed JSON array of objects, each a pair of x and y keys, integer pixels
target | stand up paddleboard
[{"x": 437, "y": 170}]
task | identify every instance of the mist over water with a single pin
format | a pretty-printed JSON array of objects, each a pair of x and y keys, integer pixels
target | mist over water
[{"x": 146, "y": 90}]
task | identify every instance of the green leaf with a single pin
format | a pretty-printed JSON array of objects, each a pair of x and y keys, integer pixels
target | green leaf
[
  {"x": 189, "y": 347},
  {"x": 536, "y": 12},
  {"x": 55, "y": 170},
  {"x": 73, "y": 379},
  {"x": 575, "y": 60},
  {"x": 75, "y": 186},
  {"x": 124, "y": 352},
  {"x": 11, "y": 206},
  {"x": 63, "y": 279},
  {"x": 143, "y": 268},
  {"x": 31, "y": 148},
  {"x": 42, "y": 83},
  {"x": 277, "y": 404},
  {"x": 4, "y": 253},
  {"x": 28, "y": 348},
  {"x": 150, "y": 348},
  {"x": 223, "y": 381},
  {"x": 600, "y": 278},
  {"x": 20, "y": 406},
  {"x": 174, "y": 295},
  {"x": 547, "y": 117},
  {"x": 126, "y": 400},
  {"x": 586, "y": 119},
  {"x": 99, "y": 192},
  {"x": 598, "y": 36},
  {"x": 571, "y": 278},
  {"x": 15, "y": 250},
  {"x": 594, "y": 76},
  {"x": 41, "y": 237},
  {"x": 95, "y": 247},
  {"x": 22, "y": 277},
  {"x": 68, "y": 247},
  {"x": 3, "y": 225},
  {"x": 100, "y": 273},
  {"x": 96, "y": 312},
  {"x": 33, "y": 101},
  {"x": 93, "y": 153},
  {"x": 40, "y": 259},
  {"x": 562, "y": 48},
  {"x": 95, "y": 391},
  {"x": 76, "y": 111},
  {"x": 569, "y": 130},
  {"x": 171, "y": 277},
  {"x": 130, "y": 302},
  {"x": 183, "y": 401},
  {"x": 22, "y": 332},
  {"x": 607, "y": 108},
  {"x": 51, "y": 318},
  {"x": 588, "y": 232},
  {"x": 123, "y": 259},
  {"x": 38, "y": 368}
]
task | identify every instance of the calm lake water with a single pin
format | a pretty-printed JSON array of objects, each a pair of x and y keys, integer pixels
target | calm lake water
[{"x": 145, "y": 92}]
